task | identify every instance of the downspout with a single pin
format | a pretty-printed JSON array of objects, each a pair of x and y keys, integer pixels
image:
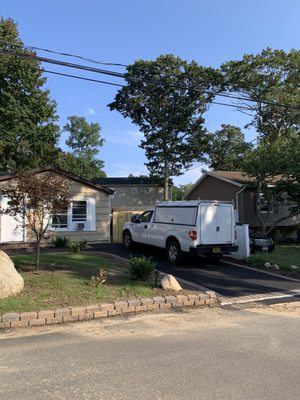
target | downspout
[
  {"x": 237, "y": 202},
  {"x": 109, "y": 217}
]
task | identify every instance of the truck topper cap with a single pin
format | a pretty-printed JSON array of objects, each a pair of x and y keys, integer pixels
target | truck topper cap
[{"x": 189, "y": 203}]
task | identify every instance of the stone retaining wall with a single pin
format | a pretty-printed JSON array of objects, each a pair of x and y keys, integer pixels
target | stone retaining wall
[{"x": 72, "y": 314}]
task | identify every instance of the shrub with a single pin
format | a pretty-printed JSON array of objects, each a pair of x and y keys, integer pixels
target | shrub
[
  {"x": 141, "y": 268},
  {"x": 60, "y": 241},
  {"x": 76, "y": 247},
  {"x": 99, "y": 279}
]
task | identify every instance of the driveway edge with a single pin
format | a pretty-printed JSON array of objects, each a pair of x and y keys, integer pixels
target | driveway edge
[{"x": 96, "y": 311}]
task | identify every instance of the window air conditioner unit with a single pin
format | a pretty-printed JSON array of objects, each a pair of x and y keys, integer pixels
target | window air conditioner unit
[{"x": 80, "y": 226}]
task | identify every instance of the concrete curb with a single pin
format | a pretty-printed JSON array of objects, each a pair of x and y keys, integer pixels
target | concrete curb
[{"x": 96, "y": 311}]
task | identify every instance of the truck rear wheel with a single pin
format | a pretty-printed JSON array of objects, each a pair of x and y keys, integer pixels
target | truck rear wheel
[
  {"x": 127, "y": 240},
  {"x": 174, "y": 252}
]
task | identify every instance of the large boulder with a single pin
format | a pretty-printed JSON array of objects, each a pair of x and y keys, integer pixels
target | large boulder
[
  {"x": 10, "y": 281},
  {"x": 170, "y": 283}
]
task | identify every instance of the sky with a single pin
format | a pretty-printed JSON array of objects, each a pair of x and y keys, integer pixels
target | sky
[{"x": 122, "y": 31}]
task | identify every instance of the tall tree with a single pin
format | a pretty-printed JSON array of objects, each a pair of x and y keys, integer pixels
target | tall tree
[
  {"x": 84, "y": 141},
  {"x": 167, "y": 98},
  {"x": 28, "y": 133},
  {"x": 269, "y": 86},
  {"x": 271, "y": 82},
  {"x": 34, "y": 200},
  {"x": 227, "y": 148}
]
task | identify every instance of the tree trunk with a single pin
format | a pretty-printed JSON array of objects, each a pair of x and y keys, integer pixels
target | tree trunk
[
  {"x": 166, "y": 181},
  {"x": 38, "y": 247}
]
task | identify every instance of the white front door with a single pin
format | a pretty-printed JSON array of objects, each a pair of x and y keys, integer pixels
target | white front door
[{"x": 10, "y": 229}]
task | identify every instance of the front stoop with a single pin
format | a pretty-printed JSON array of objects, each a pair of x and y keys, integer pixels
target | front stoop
[{"x": 96, "y": 311}]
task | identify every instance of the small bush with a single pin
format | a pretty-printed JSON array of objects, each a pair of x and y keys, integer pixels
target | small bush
[
  {"x": 99, "y": 279},
  {"x": 60, "y": 241},
  {"x": 76, "y": 247},
  {"x": 141, "y": 268}
]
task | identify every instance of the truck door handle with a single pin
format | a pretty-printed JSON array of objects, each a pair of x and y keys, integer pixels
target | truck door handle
[{"x": 218, "y": 229}]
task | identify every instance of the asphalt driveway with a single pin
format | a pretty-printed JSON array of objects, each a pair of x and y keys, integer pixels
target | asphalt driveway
[{"x": 225, "y": 279}]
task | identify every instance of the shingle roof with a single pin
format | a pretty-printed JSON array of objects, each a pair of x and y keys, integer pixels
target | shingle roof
[
  {"x": 127, "y": 181},
  {"x": 235, "y": 176},
  {"x": 69, "y": 175},
  {"x": 241, "y": 177}
]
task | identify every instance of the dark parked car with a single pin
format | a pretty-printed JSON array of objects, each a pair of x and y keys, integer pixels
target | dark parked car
[{"x": 261, "y": 243}]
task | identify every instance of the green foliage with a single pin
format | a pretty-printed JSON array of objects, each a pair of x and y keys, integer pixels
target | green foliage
[
  {"x": 273, "y": 76},
  {"x": 76, "y": 246},
  {"x": 274, "y": 169},
  {"x": 60, "y": 241},
  {"x": 141, "y": 268},
  {"x": 84, "y": 141},
  {"x": 178, "y": 192},
  {"x": 271, "y": 82},
  {"x": 167, "y": 98},
  {"x": 227, "y": 149},
  {"x": 99, "y": 279},
  {"x": 28, "y": 132}
]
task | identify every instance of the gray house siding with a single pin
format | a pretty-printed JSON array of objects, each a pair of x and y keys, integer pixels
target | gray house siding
[{"x": 136, "y": 198}]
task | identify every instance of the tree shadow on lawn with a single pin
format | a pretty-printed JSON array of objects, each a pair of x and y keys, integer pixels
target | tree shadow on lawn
[{"x": 77, "y": 266}]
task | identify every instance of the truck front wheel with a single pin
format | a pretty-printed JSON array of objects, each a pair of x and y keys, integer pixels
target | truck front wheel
[
  {"x": 174, "y": 252},
  {"x": 127, "y": 240}
]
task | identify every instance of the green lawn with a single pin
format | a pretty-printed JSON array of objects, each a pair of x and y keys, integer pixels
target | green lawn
[
  {"x": 283, "y": 256},
  {"x": 67, "y": 282}
]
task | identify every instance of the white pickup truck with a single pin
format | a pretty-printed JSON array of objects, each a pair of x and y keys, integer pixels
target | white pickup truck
[{"x": 196, "y": 226}]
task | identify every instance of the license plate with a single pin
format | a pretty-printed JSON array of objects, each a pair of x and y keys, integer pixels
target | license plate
[
  {"x": 216, "y": 250},
  {"x": 265, "y": 248}
]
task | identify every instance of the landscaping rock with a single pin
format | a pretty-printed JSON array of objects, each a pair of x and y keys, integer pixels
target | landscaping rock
[
  {"x": 10, "y": 281},
  {"x": 267, "y": 265},
  {"x": 170, "y": 283},
  {"x": 294, "y": 267},
  {"x": 275, "y": 266}
]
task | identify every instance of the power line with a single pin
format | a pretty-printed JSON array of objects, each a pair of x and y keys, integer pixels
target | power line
[
  {"x": 116, "y": 84},
  {"x": 82, "y": 78},
  {"x": 69, "y": 55},
  {"x": 223, "y": 94},
  {"x": 123, "y": 76}
]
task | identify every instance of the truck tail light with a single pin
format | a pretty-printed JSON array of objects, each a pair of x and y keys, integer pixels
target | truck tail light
[{"x": 193, "y": 234}]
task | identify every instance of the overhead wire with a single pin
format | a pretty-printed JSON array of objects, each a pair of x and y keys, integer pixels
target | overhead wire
[
  {"x": 116, "y": 84},
  {"x": 124, "y": 76}
]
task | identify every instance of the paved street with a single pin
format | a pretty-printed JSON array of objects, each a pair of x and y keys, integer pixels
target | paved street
[
  {"x": 209, "y": 353},
  {"x": 225, "y": 279}
]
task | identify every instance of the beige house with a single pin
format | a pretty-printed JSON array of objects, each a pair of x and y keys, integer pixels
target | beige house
[
  {"x": 86, "y": 218},
  {"x": 236, "y": 187},
  {"x": 136, "y": 194}
]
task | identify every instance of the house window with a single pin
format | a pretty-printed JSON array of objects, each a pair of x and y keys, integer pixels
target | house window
[
  {"x": 134, "y": 190},
  {"x": 265, "y": 206},
  {"x": 80, "y": 215},
  {"x": 60, "y": 220},
  {"x": 79, "y": 211}
]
